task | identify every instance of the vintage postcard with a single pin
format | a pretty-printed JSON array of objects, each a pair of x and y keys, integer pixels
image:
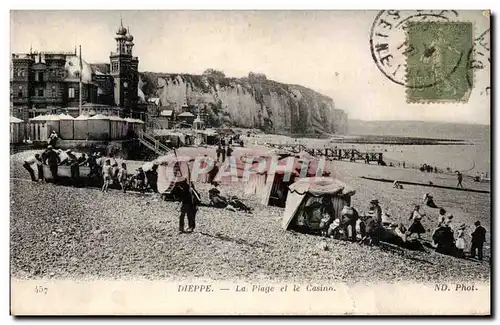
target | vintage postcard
[{"x": 250, "y": 162}]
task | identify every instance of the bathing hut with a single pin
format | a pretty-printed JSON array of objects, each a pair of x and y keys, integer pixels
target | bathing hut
[
  {"x": 139, "y": 125},
  {"x": 130, "y": 125},
  {"x": 16, "y": 130},
  {"x": 116, "y": 127},
  {"x": 53, "y": 123},
  {"x": 80, "y": 127},
  {"x": 66, "y": 127},
  {"x": 38, "y": 128},
  {"x": 98, "y": 127}
]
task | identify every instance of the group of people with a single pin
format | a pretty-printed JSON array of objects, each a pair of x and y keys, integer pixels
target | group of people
[
  {"x": 106, "y": 169},
  {"x": 428, "y": 168},
  {"x": 223, "y": 152},
  {"x": 54, "y": 158},
  {"x": 376, "y": 225}
]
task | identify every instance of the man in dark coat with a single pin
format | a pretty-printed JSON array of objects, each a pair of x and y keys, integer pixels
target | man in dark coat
[
  {"x": 152, "y": 177},
  {"x": 478, "y": 239},
  {"x": 53, "y": 160},
  {"x": 189, "y": 205}
]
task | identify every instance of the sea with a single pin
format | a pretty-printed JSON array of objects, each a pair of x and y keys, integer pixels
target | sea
[{"x": 472, "y": 157}]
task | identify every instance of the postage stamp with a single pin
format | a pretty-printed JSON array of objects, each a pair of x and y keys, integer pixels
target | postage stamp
[{"x": 438, "y": 64}]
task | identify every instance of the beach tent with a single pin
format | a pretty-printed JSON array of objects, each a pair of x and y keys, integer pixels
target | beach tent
[
  {"x": 98, "y": 127},
  {"x": 272, "y": 185},
  {"x": 303, "y": 204},
  {"x": 170, "y": 169},
  {"x": 66, "y": 127},
  {"x": 227, "y": 176},
  {"x": 80, "y": 127},
  {"x": 17, "y": 134}
]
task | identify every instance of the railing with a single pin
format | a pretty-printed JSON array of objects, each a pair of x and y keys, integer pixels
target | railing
[{"x": 153, "y": 144}]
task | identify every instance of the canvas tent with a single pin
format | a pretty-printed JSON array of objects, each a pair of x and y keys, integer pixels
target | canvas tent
[
  {"x": 303, "y": 204},
  {"x": 170, "y": 166},
  {"x": 272, "y": 185}
]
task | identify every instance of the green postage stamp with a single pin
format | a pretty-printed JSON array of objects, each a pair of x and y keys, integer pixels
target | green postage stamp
[{"x": 437, "y": 61}]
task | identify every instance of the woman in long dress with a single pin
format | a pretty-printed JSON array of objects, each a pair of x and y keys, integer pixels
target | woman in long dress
[
  {"x": 416, "y": 226},
  {"x": 460, "y": 241}
]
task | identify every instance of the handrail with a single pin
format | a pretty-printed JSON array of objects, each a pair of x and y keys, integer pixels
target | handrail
[{"x": 152, "y": 143}]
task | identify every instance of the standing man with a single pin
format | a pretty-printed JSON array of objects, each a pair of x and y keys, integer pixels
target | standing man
[
  {"x": 36, "y": 159},
  {"x": 459, "y": 180},
  {"x": 223, "y": 153},
  {"x": 219, "y": 152},
  {"x": 53, "y": 161},
  {"x": 478, "y": 239},
  {"x": 190, "y": 200},
  {"x": 229, "y": 151},
  {"x": 152, "y": 178}
]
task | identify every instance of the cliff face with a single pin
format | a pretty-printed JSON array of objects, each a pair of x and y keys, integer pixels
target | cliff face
[{"x": 253, "y": 102}]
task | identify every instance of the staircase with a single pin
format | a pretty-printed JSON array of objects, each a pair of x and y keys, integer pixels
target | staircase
[{"x": 153, "y": 144}]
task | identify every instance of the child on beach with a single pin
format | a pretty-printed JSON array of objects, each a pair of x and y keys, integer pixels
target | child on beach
[
  {"x": 122, "y": 177},
  {"x": 106, "y": 175}
]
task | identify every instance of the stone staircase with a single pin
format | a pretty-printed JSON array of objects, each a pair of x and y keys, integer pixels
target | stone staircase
[{"x": 152, "y": 143}]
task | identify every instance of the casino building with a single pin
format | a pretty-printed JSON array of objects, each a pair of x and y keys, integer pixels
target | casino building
[{"x": 49, "y": 83}]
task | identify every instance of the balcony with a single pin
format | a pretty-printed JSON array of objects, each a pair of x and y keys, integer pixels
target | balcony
[{"x": 38, "y": 99}]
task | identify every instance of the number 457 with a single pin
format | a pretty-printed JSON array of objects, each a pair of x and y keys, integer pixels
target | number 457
[{"x": 41, "y": 290}]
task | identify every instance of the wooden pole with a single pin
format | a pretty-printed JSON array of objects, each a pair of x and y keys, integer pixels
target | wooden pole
[{"x": 80, "y": 84}]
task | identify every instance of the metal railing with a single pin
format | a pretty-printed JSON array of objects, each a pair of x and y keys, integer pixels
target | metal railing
[{"x": 152, "y": 143}]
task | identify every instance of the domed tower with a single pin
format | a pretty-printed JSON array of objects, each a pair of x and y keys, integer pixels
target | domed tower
[
  {"x": 124, "y": 69},
  {"x": 129, "y": 42}
]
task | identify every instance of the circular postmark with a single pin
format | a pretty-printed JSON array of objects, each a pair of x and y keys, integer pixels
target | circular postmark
[
  {"x": 478, "y": 58},
  {"x": 389, "y": 45}
]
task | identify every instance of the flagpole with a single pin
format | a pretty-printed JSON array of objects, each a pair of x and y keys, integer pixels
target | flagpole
[{"x": 80, "y": 84}]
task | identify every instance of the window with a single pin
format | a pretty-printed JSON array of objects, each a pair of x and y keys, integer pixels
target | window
[
  {"x": 77, "y": 74},
  {"x": 39, "y": 92},
  {"x": 20, "y": 92},
  {"x": 54, "y": 91},
  {"x": 71, "y": 92},
  {"x": 39, "y": 76}
]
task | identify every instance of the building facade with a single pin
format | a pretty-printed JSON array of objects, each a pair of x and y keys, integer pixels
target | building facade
[{"x": 49, "y": 82}]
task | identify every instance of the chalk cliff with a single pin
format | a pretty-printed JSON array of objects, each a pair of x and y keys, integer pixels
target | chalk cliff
[{"x": 253, "y": 102}]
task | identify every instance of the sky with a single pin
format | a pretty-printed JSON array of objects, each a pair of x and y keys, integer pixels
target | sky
[{"x": 327, "y": 51}]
